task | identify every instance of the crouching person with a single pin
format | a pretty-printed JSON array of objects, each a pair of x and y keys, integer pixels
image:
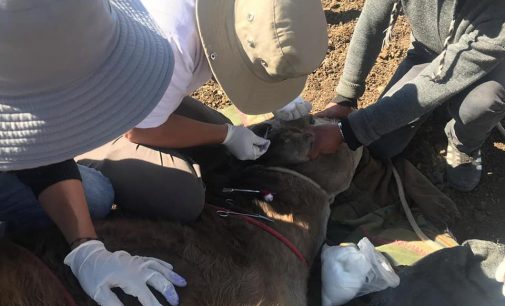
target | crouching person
[
  {"x": 259, "y": 52},
  {"x": 72, "y": 77},
  {"x": 459, "y": 62}
]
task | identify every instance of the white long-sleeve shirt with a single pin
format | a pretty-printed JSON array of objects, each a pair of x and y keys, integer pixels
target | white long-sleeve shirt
[{"x": 177, "y": 20}]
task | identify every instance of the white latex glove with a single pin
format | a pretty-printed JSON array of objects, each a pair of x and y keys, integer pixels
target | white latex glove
[
  {"x": 99, "y": 270},
  {"x": 294, "y": 110},
  {"x": 352, "y": 271},
  {"x": 244, "y": 144},
  {"x": 500, "y": 275},
  {"x": 343, "y": 273}
]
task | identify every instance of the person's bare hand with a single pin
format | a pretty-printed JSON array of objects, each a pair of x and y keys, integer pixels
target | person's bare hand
[
  {"x": 334, "y": 110},
  {"x": 327, "y": 140}
]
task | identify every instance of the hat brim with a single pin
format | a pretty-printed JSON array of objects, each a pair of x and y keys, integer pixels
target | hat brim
[
  {"x": 52, "y": 127},
  {"x": 250, "y": 94}
]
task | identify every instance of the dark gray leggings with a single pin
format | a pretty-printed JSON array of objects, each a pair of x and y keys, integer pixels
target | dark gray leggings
[
  {"x": 475, "y": 111},
  {"x": 154, "y": 181}
]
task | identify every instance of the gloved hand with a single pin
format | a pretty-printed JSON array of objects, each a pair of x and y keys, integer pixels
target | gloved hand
[
  {"x": 99, "y": 270},
  {"x": 500, "y": 275},
  {"x": 294, "y": 110},
  {"x": 244, "y": 144}
]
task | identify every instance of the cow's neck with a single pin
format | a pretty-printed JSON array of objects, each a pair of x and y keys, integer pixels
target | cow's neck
[{"x": 300, "y": 175}]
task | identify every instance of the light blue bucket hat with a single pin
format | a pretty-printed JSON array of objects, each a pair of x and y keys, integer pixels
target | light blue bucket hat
[{"x": 75, "y": 74}]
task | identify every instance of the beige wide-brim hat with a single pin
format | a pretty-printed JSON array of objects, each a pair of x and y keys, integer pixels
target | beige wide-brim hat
[
  {"x": 262, "y": 51},
  {"x": 75, "y": 75}
]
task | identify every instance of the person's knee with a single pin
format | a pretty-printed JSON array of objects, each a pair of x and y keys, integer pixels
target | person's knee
[
  {"x": 98, "y": 191},
  {"x": 188, "y": 202},
  {"x": 174, "y": 195},
  {"x": 190, "y": 208},
  {"x": 488, "y": 97}
]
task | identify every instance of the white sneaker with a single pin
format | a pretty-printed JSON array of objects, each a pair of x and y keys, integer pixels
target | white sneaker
[{"x": 464, "y": 170}]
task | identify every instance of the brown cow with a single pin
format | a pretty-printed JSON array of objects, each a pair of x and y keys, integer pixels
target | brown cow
[{"x": 226, "y": 260}]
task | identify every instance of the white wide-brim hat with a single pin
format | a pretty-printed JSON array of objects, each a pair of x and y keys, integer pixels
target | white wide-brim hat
[
  {"x": 262, "y": 51},
  {"x": 75, "y": 75}
]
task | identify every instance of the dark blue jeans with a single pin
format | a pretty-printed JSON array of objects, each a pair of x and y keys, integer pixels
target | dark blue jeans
[{"x": 20, "y": 209}]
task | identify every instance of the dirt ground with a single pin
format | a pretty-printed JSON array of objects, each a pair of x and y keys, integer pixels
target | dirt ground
[{"x": 483, "y": 210}]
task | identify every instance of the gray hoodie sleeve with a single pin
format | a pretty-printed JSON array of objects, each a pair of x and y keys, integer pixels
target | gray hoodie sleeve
[
  {"x": 366, "y": 44},
  {"x": 476, "y": 52}
]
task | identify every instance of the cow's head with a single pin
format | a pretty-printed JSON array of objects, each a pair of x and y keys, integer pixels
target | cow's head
[{"x": 291, "y": 143}]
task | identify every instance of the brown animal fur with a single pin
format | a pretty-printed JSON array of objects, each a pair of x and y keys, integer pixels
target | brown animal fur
[
  {"x": 19, "y": 269},
  {"x": 226, "y": 260}
]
